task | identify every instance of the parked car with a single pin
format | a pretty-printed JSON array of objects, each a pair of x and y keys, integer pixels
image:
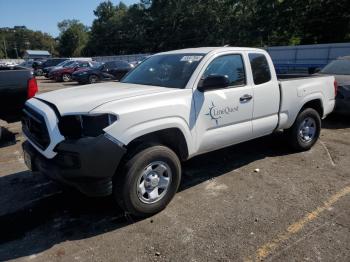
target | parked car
[
  {"x": 27, "y": 64},
  {"x": 65, "y": 73},
  {"x": 39, "y": 70},
  {"x": 17, "y": 84},
  {"x": 32, "y": 65},
  {"x": 340, "y": 68},
  {"x": 48, "y": 69},
  {"x": 110, "y": 70},
  {"x": 63, "y": 64},
  {"x": 128, "y": 138}
]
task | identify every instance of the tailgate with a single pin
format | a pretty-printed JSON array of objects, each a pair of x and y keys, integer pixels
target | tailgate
[{"x": 13, "y": 93}]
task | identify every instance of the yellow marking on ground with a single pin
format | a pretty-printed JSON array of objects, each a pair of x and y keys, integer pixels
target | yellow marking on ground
[{"x": 265, "y": 250}]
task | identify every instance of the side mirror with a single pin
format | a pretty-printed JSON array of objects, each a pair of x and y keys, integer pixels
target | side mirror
[{"x": 212, "y": 82}]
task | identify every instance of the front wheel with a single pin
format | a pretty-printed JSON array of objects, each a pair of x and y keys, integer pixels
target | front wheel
[
  {"x": 66, "y": 77},
  {"x": 306, "y": 130},
  {"x": 39, "y": 72},
  {"x": 148, "y": 181}
]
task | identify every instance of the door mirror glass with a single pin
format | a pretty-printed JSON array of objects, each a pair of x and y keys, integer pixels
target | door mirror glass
[{"x": 212, "y": 82}]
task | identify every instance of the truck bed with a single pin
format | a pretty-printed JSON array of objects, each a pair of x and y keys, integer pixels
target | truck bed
[
  {"x": 286, "y": 77},
  {"x": 297, "y": 90},
  {"x": 13, "y": 92}
]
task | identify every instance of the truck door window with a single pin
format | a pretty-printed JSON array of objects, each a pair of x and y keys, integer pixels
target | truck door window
[
  {"x": 230, "y": 66},
  {"x": 260, "y": 68}
]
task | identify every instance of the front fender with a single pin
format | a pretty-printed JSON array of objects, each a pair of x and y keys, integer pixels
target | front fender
[{"x": 150, "y": 126}]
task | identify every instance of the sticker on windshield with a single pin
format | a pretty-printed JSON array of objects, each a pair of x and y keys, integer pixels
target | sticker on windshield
[{"x": 191, "y": 58}]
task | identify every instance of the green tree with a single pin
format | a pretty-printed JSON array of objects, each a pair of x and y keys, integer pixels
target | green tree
[
  {"x": 158, "y": 25},
  {"x": 17, "y": 41},
  {"x": 107, "y": 31},
  {"x": 73, "y": 38}
]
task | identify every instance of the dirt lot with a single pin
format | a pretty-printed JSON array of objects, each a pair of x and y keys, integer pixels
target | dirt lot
[{"x": 297, "y": 207}]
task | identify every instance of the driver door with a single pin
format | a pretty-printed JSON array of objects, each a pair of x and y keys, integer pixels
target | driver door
[{"x": 224, "y": 115}]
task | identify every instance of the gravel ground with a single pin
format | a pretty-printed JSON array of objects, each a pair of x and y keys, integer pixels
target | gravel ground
[{"x": 295, "y": 208}]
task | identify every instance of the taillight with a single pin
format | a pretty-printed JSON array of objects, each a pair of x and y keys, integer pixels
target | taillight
[
  {"x": 335, "y": 88},
  {"x": 32, "y": 87}
]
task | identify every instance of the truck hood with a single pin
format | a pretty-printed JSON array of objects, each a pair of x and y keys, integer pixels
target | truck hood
[{"x": 83, "y": 99}]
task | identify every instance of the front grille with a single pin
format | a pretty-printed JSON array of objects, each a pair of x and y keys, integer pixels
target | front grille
[{"x": 34, "y": 127}]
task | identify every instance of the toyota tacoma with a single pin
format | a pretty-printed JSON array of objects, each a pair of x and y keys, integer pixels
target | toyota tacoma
[{"x": 129, "y": 138}]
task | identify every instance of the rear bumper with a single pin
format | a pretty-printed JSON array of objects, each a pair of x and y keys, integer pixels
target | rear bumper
[{"x": 87, "y": 164}]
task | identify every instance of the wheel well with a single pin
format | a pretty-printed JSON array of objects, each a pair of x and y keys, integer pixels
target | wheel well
[
  {"x": 171, "y": 137},
  {"x": 314, "y": 104}
]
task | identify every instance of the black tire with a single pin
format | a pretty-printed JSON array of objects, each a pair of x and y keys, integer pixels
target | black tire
[
  {"x": 295, "y": 137},
  {"x": 93, "y": 79},
  {"x": 39, "y": 72},
  {"x": 66, "y": 77},
  {"x": 126, "y": 183}
]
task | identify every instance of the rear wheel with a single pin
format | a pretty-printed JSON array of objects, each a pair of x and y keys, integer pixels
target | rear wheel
[
  {"x": 93, "y": 79},
  {"x": 148, "y": 181},
  {"x": 306, "y": 130},
  {"x": 66, "y": 77}
]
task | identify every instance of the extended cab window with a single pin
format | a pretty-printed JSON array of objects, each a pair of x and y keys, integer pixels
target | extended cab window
[
  {"x": 230, "y": 66},
  {"x": 260, "y": 68}
]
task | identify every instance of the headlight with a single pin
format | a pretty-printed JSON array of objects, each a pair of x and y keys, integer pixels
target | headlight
[{"x": 78, "y": 126}]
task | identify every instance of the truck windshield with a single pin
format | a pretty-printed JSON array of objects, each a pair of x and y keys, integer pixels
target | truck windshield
[
  {"x": 337, "y": 67},
  {"x": 168, "y": 70}
]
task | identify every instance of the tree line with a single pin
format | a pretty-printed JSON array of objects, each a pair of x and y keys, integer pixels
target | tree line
[
  {"x": 158, "y": 25},
  {"x": 14, "y": 41}
]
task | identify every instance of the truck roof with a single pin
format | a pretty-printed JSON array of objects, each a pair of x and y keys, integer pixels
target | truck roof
[{"x": 206, "y": 50}]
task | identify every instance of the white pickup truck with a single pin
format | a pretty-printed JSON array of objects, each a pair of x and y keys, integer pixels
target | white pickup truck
[{"x": 129, "y": 138}]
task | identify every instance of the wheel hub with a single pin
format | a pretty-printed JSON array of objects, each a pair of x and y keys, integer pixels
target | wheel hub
[
  {"x": 307, "y": 130},
  {"x": 152, "y": 180}
]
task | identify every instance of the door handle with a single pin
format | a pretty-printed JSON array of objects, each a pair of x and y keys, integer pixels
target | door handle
[{"x": 246, "y": 98}]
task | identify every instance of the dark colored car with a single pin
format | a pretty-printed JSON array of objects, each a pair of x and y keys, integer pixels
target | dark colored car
[
  {"x": 17, "y": 84},
  {"x": 340, "y": 68},
  {"x": 34, "y": 65},
  {"x": 27, "y": 64},
  {"x": 65, "y": 73},
  {"x": 113, "y": 70}
]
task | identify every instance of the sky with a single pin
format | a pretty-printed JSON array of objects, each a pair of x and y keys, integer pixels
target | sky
[{"x": 44, "y": 15}]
